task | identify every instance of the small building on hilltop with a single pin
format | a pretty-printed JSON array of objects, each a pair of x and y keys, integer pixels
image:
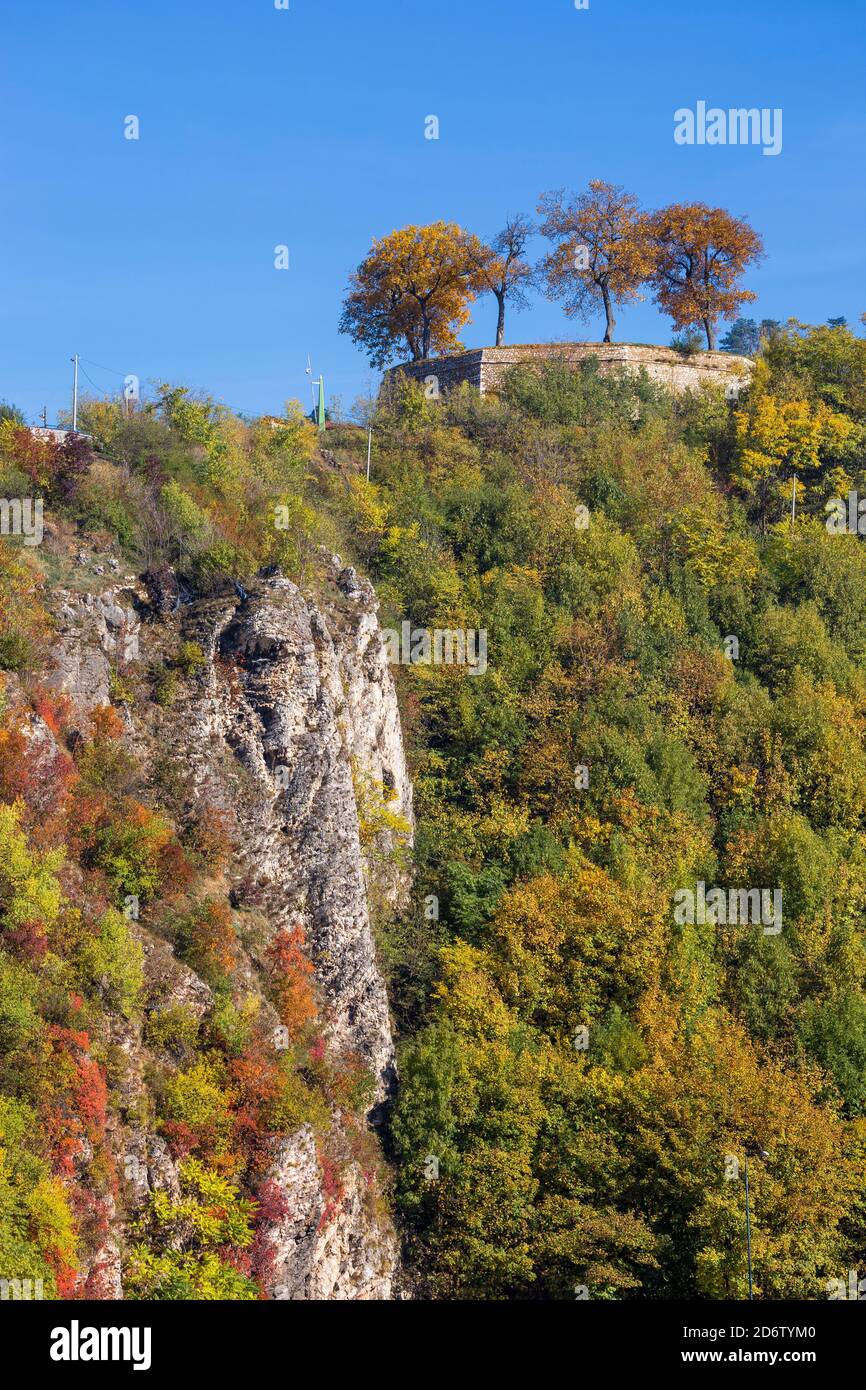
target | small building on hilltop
[
  {"x": 485, "y": 368},
  {"x": 55, "y": 436}
]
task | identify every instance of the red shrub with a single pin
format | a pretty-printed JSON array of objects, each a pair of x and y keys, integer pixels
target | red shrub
[
  {"x": 65, "y": 1276},
  {"x": 53, "y": 468},
  {"x": 176, "y": 872},
  {"x": 272, "y": 1208},
  {"x": 98, "y": 1286},
  {"x": 28, "y": 942},
  {"x": 257, "y": 1082},
  {"x": 14, "y": 770},
  {"x": 75, "y": 1095},
  {"x": 181, "y": 1138},
  {"x": 333, "y": 1190},
  {"x": 39, "y": 774},
  {"x": 54, "y": 708}
]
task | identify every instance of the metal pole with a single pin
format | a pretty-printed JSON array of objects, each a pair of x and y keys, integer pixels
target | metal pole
[
  {"x": 74, "y": 361},
  {"x": 369, "y": 451},
  {"x": 748, "y": 1233}
]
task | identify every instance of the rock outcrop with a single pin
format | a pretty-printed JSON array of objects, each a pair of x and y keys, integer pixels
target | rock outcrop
[
  {"x": 289, "y": 723},
  {"x": 331, "y": 1244},
  {"x": 295, "y": 695},
  {"x": 96, "y": 634}
]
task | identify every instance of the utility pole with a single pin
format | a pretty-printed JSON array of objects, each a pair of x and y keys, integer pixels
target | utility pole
[
  {"x": 748, "y": 1232},
  {"x": 74, "y": 361},
  {"x": 45, "y": 416},
  {"x": 761, "y": 1152},
  {"x": 369, "y": 449}
]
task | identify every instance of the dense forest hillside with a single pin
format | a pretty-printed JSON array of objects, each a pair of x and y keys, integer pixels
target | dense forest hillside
[{"x": 589, "y": 1040}]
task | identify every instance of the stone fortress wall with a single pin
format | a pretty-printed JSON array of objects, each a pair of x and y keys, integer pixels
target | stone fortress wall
[{"x": 485, "y": 368}]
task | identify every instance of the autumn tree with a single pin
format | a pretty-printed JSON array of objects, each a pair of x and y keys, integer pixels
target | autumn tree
[
  {"x": 291, "y": 973},
  {"x": 602, "y": 254},
  {"x": 700, "y": 254},
  {"x": 780, "y": 440},
  {"x": 414, "y": 288},
  {"x": 504, "y": 271},
  {"x": 819, "y": 363}
]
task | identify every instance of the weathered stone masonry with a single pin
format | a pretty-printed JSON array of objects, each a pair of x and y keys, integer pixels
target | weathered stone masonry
[{"x": 485, "y": 368}]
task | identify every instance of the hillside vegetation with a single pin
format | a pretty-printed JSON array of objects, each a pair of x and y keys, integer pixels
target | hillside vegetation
[{"x": 675, "y": 694}]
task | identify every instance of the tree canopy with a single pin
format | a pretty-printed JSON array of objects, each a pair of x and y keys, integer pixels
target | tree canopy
[
  {"x": 411, "y": 295},
  {"x": 603, "y": 251},
  {"x": 700, "y": 256},
  {"x": 414, "y": 289}
]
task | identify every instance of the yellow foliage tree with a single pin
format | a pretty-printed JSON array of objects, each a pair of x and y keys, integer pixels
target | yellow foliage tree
[
  {"x": 414, "y": 288},
  {"x": 783, "y": 440},
  {"x": 562, "y": 946},
  {"x": 705, "y": 1102}
]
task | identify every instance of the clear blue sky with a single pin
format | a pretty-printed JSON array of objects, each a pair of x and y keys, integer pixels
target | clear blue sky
[{"x": 306, "y": 127}]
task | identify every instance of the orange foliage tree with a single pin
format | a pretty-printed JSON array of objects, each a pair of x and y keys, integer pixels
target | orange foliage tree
[
  {"x": 603, "y": 250},
  {"x": 700, "y": 254},
  {"x": 291, "y": 971}
]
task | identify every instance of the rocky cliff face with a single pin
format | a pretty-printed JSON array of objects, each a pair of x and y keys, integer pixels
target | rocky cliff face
[{"x": 288, "y": 728}]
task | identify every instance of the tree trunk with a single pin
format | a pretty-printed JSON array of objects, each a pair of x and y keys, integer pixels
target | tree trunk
[
  {"x": 425, "y": 337},
  {"x": 710, "y": 330},
  {"x": 609, "y": 320},
  {"x": 500, "y": 322}
]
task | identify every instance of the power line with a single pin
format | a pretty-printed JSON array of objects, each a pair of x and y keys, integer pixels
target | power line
[
  {"x": 112, "y": 370},
  {"x": 90, "y": 379}
]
